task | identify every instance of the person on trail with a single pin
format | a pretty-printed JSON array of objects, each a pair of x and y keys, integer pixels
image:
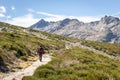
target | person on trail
[{"x": 40, "y": 52}]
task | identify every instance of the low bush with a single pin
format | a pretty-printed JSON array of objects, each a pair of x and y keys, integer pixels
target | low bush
[
  {"x": 79, "y": 64},
  {"x": 23, "y": 58},
  {"x": 111, "y": 49}
]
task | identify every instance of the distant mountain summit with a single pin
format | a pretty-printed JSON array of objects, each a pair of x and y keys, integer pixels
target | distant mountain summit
[
  {"x": 110, "y": 19},
  {"x": 105, "y": 30},
  {"x": 41, "y": 24}
]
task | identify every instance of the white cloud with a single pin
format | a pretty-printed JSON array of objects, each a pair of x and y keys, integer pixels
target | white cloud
[
  {"x": 48, "y": 14},
  {"x": 8, "y": 17},
  {"x": 86, "y": 18},
  {"x": 52, "y": 17},
  {"x": 55, "y": 17},
  {"x": 12, "y": 7},
  {"x": 2, "y": 9},
  {"x": 29, "y": 19},
  {"x": 30, "y": 10},
  {"x": 25, "y": 21},
  {"x": 2, "y": 15}
]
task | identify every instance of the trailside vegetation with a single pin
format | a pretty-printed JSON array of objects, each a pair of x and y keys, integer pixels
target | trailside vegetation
[
  {"x": 18, "y": 43},
  {"x": 111, "y": 49},
  {"x": 78, "y": 64}
]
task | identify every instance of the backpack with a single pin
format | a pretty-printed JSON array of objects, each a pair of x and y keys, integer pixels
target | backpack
[{"x": 40, "y": 50}]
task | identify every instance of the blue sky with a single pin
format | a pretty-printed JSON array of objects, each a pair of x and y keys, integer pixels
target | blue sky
[{"x": 28, "y": 12}]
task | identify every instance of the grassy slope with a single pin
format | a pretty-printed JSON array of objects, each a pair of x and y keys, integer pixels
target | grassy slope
[
  {"x": 72, "y": 64},
  {"x": 78, "y": 64},
  {"x": 19, "y": 43},
  {"x": 111, "y": 49}
]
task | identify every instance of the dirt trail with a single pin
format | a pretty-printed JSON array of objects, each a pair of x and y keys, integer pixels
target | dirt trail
[{"x": 27, "y": 71}]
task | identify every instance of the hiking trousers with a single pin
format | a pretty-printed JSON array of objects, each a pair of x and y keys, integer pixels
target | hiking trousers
[{"x": 40, "y": 56}]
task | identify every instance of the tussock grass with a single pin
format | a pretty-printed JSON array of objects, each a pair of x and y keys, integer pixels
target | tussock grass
[
  {"x": 20, "y": 43},
  {"x": 78, "y": 64},
  {"x": 111, "y": 49}
]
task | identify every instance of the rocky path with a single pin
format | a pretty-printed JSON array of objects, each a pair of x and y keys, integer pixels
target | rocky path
[{"x": 27, "y": 71}]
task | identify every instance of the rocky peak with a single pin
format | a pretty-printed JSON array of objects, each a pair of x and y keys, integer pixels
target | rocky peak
[
  {"x": 109, "y": 19},
  {"x": 65, "y": 22},
  {"x": 42, "y": 23}
]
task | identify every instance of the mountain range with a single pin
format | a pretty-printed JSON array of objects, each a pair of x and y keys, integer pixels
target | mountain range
[{"x": 107, "y": 29}]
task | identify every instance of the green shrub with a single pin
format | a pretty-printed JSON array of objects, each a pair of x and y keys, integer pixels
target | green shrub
[
  {"x": 53, "y": 77},
  {"x": 69, "y": 77},
  {"x": 61, "y": 71},
  {"x": 84, "y": 65},
  {"x": 44, "y": 73},
  {"x": 81, "y": 73},
  {"x": 23, "y": 58},
  {"x": 115, "y": 75},
  {"x": 47, "y": 66},
  {"x": 29, "y": 78},
  {"x": 111, "y": 49}
]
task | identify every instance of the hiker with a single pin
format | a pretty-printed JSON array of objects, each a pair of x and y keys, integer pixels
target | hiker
[{"x": 40, "y": 52}]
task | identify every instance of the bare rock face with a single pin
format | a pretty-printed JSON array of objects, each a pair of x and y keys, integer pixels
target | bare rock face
[{"x": 105, "y": 30}]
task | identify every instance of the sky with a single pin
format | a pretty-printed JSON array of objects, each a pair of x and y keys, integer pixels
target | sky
[{"x": 27, "y": 12}]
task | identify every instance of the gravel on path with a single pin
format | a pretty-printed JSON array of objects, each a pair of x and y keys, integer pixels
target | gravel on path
[{"x": 27, "y": 71}]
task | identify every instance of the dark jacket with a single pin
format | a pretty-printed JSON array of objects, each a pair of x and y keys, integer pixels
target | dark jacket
[{"x": 40, "y": 50}]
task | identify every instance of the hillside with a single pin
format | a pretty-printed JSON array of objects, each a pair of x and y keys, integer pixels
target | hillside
[
  {"x": 107, "y": 29},
  {"x": 111, "y": 49},
  {"x": 18, "y": 44},
  {"x": 69, "y": 62},
  {"x": 78, "y": 64}
]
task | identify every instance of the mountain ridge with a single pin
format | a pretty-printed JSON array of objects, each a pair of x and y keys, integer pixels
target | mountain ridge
[{"x": 105, "y": 30}]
